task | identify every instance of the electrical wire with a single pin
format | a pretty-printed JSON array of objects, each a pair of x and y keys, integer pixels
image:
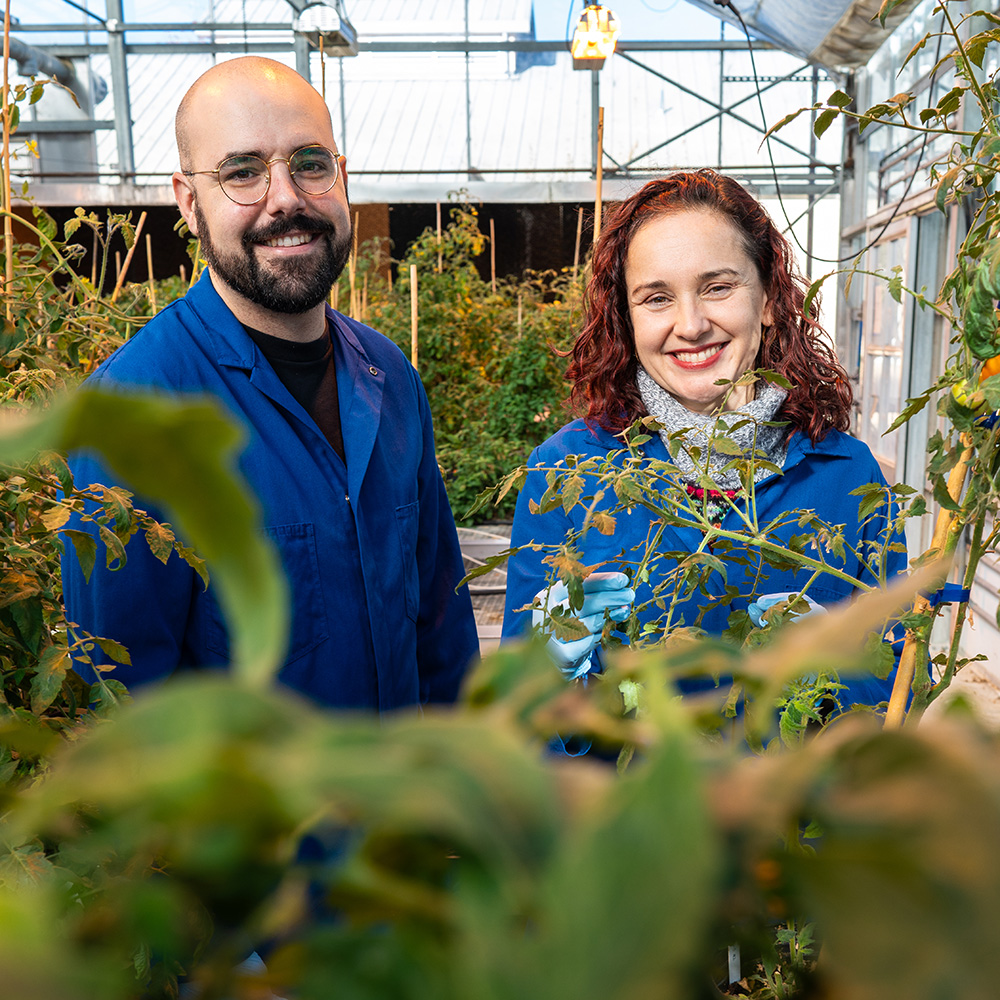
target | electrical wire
[
  {"x": 774, "y": 173},
  {"x": 569, "y": 21},
  {"x": 83, "y": 10}
]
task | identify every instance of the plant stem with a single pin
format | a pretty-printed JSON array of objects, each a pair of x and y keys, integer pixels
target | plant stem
[
  {"x": 966, "y": 64},
  {"x": 976, "y": 550},
  {"x": 8, "y": 232}
]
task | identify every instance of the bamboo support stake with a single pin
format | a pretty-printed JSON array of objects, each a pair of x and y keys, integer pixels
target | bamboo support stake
[
  {"x": 520, "y": 305},
  {"x": 493, "y": 258},
  {"x": 118, "y": 264},
  {"x": 149, "y": 265},
  {"x": 579, "y": 234},
  {"x": 600, "y": 173},
  {"x": 322, "y": 67},
  {"x": 194, "y": 266},
  {"x": 352, "y": 269},
  {"x": 946, "y": 532},
  {"x": 184, "y": 273},
  {"x": 364, "y": 299},
  {"x": 128, "y": 259},
  {"x": 7, "y": 201},
  {"x": 335, "y": 295},
  {"x": 413, "y": 315},
  {"x": 440, "y": 256}
]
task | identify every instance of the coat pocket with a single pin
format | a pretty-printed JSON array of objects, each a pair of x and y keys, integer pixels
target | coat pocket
[
  {"x": 407, "y": 525},
  {"x": 296, "y": 545}
]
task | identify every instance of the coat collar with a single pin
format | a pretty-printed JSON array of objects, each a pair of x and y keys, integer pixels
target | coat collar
[
  {"x": 834, "y": 445},
  {"x": 360, "y": 382}
]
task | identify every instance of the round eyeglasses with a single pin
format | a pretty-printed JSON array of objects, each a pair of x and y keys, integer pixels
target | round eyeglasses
[{"x": 245, "y": 178}]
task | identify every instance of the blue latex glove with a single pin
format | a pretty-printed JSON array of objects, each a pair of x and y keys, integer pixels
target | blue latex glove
[
  {"x": 757, "y": 609},
  {"x": 602, "y": 592}
]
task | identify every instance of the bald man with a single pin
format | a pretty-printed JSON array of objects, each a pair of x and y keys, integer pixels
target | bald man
[{"x": 341, "y": 450}]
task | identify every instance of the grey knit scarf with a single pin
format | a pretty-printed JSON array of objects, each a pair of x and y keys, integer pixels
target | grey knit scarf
[{"x": 751, "y": 437}]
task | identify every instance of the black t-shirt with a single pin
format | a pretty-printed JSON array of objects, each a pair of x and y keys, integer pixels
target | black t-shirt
[{"x": 307, "y": 372}]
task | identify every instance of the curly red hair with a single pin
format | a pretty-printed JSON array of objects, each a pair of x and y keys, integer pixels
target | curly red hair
[{"x": 603, "y": 366}]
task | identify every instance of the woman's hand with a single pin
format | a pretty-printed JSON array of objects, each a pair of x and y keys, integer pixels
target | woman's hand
[{"x": 605, "y": 595}]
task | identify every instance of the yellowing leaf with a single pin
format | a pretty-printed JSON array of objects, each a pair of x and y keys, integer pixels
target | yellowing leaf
[{"x": 55, "y": 517}]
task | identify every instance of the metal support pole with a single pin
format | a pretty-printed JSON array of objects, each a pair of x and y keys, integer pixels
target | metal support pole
[
  {"x": 343, "y": 108},
  {"x": 595, "y": 118},
  {"x": 302, "y": 60},
  {"x": 468, "y": 99},
  {"x": 722, "y": 80},
  {"x": 119, "y": 83},
  {"x": 812, "y": 174}
]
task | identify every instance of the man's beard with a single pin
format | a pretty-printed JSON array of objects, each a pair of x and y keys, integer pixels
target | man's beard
[{"x": 289, "y": 286}]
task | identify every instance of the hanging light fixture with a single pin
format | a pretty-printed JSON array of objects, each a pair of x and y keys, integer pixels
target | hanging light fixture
[
  {"x": 595, "y": 37},
  {"x": 328, "y": 21}
]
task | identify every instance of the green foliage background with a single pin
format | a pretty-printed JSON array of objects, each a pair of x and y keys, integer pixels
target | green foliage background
[{"x": 494, "y": 381}]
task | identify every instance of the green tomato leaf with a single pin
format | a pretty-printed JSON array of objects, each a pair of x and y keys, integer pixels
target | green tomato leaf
[{"x": 47, "y": 680}]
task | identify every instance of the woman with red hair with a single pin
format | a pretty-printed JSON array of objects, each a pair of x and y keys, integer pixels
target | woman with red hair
[{"x": 693, "y": 288}]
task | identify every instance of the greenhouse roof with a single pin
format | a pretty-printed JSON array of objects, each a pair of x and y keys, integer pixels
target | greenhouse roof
[
  {"x": 838, "y": 34},
  {"x": 509, "y": 120}
]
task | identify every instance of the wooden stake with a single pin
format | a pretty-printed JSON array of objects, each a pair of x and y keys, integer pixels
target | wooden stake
[
  {"x": 413, "y": 315},
  {"x": 942, "y": 543},
  {"x": 322, "y": 67},
  {"x": 520, "y": 303},
  {"x": 352, "y": 269},
  {"x": 335, "y": 295},
  {"x": 118, "y": 265},
  {"x": 184, "y": 273},
  {"x": 194, "y": 265},
  {"x": 128, "y": 259},
  {"x": 493, "y": 258},
  {"x": 389, "y": 273},
  {"x": 149, "y": 265},
  {"x": 440, "y": 259},
  {"x": 364, "y": 299},
  {"x": 600, "y": 173},
  {"x": 7, "y": 201},
  {"x": 579, "y": 234}
]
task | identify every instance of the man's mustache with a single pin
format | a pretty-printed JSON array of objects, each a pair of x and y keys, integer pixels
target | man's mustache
[{"x": 282, "y": 227}]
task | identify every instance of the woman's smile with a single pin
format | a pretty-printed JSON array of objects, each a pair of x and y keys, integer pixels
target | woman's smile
[{"x": 700, "y": 358}]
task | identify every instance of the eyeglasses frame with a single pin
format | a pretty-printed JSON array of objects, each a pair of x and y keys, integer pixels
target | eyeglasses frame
[{"x": 287, "y": 160}]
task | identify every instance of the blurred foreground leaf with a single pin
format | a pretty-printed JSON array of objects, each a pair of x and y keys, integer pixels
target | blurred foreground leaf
[{"x": 182, "y": 457}]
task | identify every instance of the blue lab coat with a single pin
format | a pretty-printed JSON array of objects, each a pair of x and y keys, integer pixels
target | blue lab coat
[
  {"x": 816, "y": 477},
  {"x": 369, "y": 548}
]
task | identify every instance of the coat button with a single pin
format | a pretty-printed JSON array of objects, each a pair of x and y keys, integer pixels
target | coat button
[{"x": 373, "y": 370}]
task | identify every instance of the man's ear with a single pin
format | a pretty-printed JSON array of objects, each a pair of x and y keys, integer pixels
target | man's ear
[
  {"x": 185, "y": 197},
  {"x": 343, "y": 170}
]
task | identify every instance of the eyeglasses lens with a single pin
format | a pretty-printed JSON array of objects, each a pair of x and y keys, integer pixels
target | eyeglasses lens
[
  {"x": 314, "y": 169},
  {"x": 245, "y": 178}
]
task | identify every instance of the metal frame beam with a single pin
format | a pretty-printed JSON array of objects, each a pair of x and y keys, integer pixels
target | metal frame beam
[
  {"x": 278, "y": 38},
  {"x": 119, "y": 84}
]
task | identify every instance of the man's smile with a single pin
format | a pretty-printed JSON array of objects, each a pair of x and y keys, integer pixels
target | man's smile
[{"x": 289, "y": 241}]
